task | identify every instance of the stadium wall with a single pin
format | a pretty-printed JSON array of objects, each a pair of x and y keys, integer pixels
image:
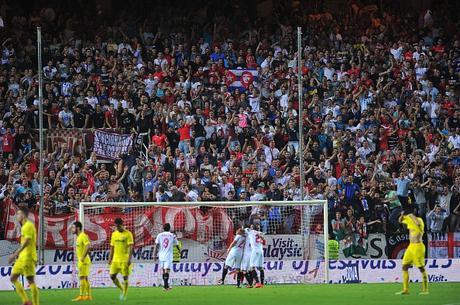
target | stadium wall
[{"x": 277, "y": 272}]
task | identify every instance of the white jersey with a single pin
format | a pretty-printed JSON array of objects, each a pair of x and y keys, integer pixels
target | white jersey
[
  {"x": 240, "y": 241},
  {"x": 235, "y": 255},
  {"x": 255, "y": 240},
  {"x": 245, "y": 262},
  {"x": 247, "y": 242},
  {"x": 166, "y": 242}
]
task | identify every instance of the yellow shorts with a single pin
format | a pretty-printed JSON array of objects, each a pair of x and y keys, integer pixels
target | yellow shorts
[
  {"x": 415, "y": 255},
  {"x": 83, "y": 269},
  {"x": 25, "y": 268},
  {"x": 123, "y": 268}
]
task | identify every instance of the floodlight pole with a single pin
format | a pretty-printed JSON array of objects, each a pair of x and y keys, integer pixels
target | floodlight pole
[
  {"x": 40, "y": 130},
  {"x": 300, "y": 114}
]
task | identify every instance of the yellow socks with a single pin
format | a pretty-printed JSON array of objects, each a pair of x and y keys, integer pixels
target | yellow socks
[
  {"x": 34, "y": 289},
  {"x": 424, "y": 281},
  {"x": 126, "y": 285},
  {"x": 88, "y": 288},
  {"x": 405, "y": 280},
  {"x": 20, "y": 291},
  {"x": 82, "y": 287},
  {"x": 117, "y": 283}
]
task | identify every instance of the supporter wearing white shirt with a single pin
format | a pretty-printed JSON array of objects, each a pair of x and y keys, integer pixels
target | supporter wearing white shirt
[
  {"x": 396, "y": 52},
  {"x": 329, "y": 71},
  {"x": 225, "y": 187},
  {"x": 254, "y": 101},
  {"x": 259, "y": 195},
  {"x": 267, "y": 62},
  {"x": 454, "y": 140},
  {"x": 271, "y": 152},
  {"x": 92, "y": 100},
  {"x": 364, "y": 151},
  {"x": 126, "y": 46},
  {"x": 65, "y": 117}
]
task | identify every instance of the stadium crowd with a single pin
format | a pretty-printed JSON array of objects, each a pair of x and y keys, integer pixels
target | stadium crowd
[{"x": 381, "y": 111}]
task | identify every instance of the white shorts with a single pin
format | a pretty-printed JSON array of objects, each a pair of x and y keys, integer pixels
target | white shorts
[
  {"x": 257, "y": 259},
  {"x": 245, "y": 262},
  {"x": 166, "y": 264},
  {"x": 234, "y": 259}
]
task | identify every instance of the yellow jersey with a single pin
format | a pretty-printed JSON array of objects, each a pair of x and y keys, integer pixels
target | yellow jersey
[
  {"x": 30, "y": 252},
  {"x": 412, "y": 227},
  {"x": 120, "y": 241},
  {"x": 80, "y": 245}
]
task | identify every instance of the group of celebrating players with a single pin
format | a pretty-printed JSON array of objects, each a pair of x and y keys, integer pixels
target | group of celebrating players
[{"x": 245, "y": 256}]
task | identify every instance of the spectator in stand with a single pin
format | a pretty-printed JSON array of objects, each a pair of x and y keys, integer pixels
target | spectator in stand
[{"x": 381, "y": 125}]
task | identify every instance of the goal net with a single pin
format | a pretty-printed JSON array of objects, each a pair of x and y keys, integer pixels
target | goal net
[{"x": 296, "y": 235}]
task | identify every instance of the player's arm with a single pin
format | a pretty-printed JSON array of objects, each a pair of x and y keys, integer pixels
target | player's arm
[
  {"x": 112, "y": 244},
  {"x": 231, "y": 246},
  {"x": 401, "y": 217},
  {"x": 86, "y": 250},
  {"x": 130, "y": 248},
  {"x": 156, "y": 248},
  {"x": 16, "y": 253},
  {"x": 414, "y": 219},
  {"x": 111, "y": 255}
]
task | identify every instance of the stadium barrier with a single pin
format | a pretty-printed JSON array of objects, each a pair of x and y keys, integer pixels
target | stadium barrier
[{"x": 277, "y": 272}]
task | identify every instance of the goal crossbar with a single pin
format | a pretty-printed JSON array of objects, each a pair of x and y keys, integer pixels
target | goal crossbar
[{"x": 323, "y": 203}]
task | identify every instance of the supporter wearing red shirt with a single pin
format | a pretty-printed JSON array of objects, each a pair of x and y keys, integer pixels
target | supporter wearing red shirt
[
  {"x": 184, "y": 136},
  {"x": 8, "y": 143},
  {"x": 160, "y": 140},
  {"x": 250, "y": 60},
  {"x": 110, "y": 115}
]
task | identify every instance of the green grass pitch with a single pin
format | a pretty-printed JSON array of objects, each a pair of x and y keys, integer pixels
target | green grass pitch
[{"x": 343, "y": 294}]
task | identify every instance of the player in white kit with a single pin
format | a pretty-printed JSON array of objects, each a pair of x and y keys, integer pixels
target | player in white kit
[
  {"x": 245, "y": 262},
  {"x": 234, "y": 256},
  {"x": 257, "y": 241},
  {"x": 164, "y": 244}
]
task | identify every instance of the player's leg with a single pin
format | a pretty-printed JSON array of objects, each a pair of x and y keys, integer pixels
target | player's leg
[
  {"x": 407, "y": 261},
  {"x": 126, "y": 272},
  {"x": 256, "y": 264},
  {"x": 33, "y": 288},
  {"x": 239, "y": 277},
  {"x": 17, "y": 284},
  {"x": 83, "y": 272},
  {"x": 405, "y": 270},
  {"x": 247, "y": 274},
  {"x": 125, "y": 287},
  {"x": 420, "y": 264},
  {"x": 254, "y": 275},
  {"x": 253, "y": 265},
  {"x": 262, "y": 275},
  {"x": 88, "y": 289},
  {"x": 166, "y": 279},
  {"x": 424, "y": 280},
  {"x": 81, "y": 296},
  {"x": 224, "y": 274}
]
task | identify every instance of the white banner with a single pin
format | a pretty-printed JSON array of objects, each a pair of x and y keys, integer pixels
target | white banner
[
  {"x": 276, "y": 272},
  {"x": 111, "y": 145}
]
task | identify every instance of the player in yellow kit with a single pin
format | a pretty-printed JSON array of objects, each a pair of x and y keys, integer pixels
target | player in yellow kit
[
  {"x": 415, "y": 252},
  {"x": 82, "y": 247},
  {"x": 121, "y": 252},
  {"x": 26, "y": 258}
]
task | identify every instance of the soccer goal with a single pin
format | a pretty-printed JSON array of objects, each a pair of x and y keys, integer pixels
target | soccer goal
[{"x": 296, "y": 234}]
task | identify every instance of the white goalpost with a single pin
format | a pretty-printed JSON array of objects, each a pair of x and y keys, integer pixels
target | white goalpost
[{"x": 296, "y": 234}]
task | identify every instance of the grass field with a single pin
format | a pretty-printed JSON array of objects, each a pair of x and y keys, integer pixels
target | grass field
[{"x": 363, "y": 294}]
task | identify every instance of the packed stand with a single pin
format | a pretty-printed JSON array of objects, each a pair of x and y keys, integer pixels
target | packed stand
[{"x": 381, "y": 114}]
